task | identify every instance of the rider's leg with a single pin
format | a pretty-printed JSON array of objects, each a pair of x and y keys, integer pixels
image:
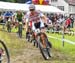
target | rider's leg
[
  {"x": 27, "y": 34},
  {"x": 34, "y": 27}
]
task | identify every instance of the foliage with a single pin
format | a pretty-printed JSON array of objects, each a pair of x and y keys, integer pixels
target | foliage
[{"x": 16, "y": 1}]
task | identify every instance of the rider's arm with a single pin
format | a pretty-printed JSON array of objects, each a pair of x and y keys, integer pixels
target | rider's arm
[
  {"x": 43, "y": 17},
  {"x": 26, "y": 22},
  {"x": 15, "y": 17},
  {"x": 22, "y": 16},
  {"x": 26, "y": 17}
]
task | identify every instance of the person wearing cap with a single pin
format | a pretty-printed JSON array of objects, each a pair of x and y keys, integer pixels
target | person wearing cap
[{"x": 36, "y": 17}]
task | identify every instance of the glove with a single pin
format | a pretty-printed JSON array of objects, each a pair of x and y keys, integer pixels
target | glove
[{"x": 45, "y": 25}]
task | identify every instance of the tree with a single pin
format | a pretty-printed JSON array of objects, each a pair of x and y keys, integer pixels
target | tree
[
  {"x": 2, "y": 0},
  {"x": 20, "y": 1},
  {"x": 15, "y": 1}
]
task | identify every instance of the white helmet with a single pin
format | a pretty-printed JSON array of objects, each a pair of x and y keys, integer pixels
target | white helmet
[{"x": 32, "y": 6}]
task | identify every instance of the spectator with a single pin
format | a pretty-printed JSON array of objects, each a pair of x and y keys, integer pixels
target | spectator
[
  {"x": 72, "y": 21},
  {"x": 67, "y": 24},
  {"x": 61, "y": 20}
]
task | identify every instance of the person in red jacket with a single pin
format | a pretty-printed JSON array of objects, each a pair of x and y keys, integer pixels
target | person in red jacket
[{"x": 67, "y": 24}]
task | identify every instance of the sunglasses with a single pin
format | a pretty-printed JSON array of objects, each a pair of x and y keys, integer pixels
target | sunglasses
[{"x": 32, "y": 9}]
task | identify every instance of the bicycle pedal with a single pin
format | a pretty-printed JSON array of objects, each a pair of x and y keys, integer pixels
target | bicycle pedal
[
  {"x": 48, "y": 47},
  {"x": 47, "y": 57}
]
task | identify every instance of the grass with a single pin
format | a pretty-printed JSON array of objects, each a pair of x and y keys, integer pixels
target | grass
[
  {"x": 68, "y": 37},
  {"x": 67, "y": 49},
  {"x": 14, "y": 43}
]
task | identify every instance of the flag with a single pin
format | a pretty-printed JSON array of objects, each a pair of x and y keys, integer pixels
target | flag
[
  {"x": 35, "y": 1},
  {"x": 45, "y": 2},
  {"x": 41, "y": 1}
]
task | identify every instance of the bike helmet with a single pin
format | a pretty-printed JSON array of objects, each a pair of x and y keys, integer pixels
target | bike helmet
[{"x": 32, "y": 6}]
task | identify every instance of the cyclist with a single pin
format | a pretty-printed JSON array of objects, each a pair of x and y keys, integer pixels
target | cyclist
[
  {"x": 36, "y": 19},
  {"x": 8, "y": 23},
  {"x": 19, "y": 17}
]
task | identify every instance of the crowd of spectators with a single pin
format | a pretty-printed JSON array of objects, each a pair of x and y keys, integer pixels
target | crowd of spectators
[
  {"x": 56, "y": 21},
  {"x": 60, "y": 21}
]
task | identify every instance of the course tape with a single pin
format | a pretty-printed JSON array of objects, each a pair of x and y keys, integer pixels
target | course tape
[{"x": 65, "y": 40}]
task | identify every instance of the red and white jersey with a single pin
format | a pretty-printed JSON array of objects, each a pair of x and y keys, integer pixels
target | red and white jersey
[{"x": 34, "y": 17}]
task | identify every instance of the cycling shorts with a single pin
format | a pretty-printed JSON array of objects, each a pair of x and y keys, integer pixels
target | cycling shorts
[{"x": 37, "y": 25}]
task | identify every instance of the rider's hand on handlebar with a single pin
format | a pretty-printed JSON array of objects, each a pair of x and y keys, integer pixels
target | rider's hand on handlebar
[{"x": 46, "y": 25}]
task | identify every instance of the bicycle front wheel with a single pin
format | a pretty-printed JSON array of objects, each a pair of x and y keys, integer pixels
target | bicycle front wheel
[
  {"x": 20, "y": 30},
  {"x": 4, "y": 54}
]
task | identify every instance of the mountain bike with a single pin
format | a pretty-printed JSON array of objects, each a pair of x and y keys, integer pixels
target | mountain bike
[
  {"x": 45, "y": 46},
  {"x": 4, "y": 54}
]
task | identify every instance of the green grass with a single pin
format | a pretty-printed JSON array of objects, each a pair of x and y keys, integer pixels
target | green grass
[
  {"x": 68, "y": 49},
  {"x": 68, "y": 37},
  {"x": 14, "y": 44}
]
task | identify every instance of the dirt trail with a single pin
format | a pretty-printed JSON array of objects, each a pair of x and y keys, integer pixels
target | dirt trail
[{"x": 31, "y": 54}]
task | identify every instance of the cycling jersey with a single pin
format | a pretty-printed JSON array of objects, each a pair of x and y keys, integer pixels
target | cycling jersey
[
  {"x": 35, "y": 18},
  {"x": 19, "y": 17}
]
